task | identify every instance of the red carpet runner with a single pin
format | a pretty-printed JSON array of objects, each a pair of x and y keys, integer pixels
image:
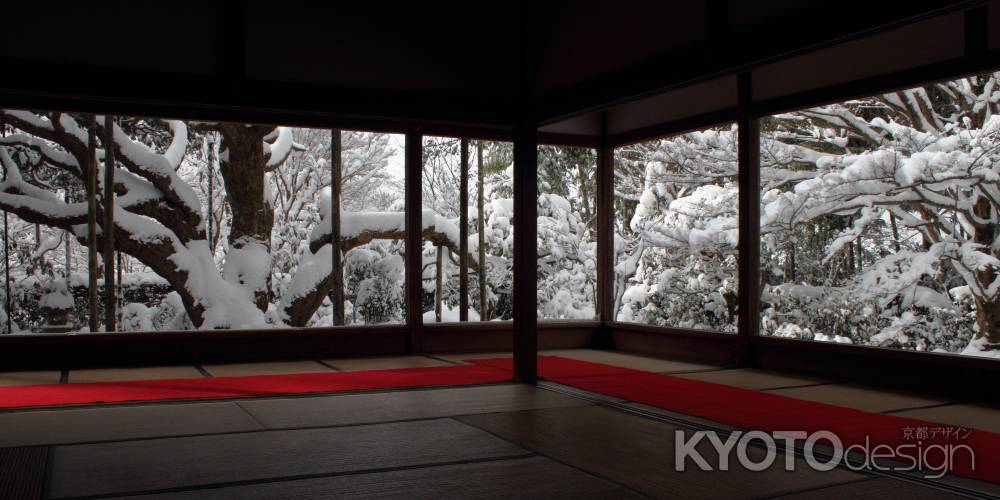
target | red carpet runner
[
  {"x": 257, "y": 385},
  {"x": 750, "y": 409}
]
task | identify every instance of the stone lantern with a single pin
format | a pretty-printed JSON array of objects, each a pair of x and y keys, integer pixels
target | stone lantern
[{"x": 56, "y": 306}]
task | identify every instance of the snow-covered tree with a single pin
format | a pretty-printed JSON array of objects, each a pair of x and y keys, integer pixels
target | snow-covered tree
[
  {"x": 159, "y": 219},
  {"x": 878, "y": 222},
  {"x": 676, "y": 250}
]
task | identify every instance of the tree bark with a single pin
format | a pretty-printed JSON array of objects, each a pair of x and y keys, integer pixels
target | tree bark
[
  {"x": 987, "y": 309},
  {"x": 895, "y": 232},
  {"x": 213, "y": 158},
  {"x": 484, "y": 314},
  {"x": 463, "y": 234},
  {"x": 850, "y": 259},
  {"x": 69, "y": 250},
  {"x": 861, "y": 255},
  {"x": 791, "y": 261},
  {"x": 108, "y": 226},
  {"x": 439, "y": 284},
  {"x": 92, "y": 221},
  {"x": 253, "y": 216},
  {"x": 181, "y": 222},
  {"x": 38, "y": 244},
  {"x": 584, "y": 195},
  {"x": 337, "y": 266}
]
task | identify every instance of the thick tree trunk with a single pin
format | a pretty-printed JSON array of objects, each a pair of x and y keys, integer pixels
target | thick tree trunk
[
  {"x": 176, "y": 249},
  {"x": 337, "y": 269},
  {"x": 987, "y": 309},
  {"x": 463, "y": 234},
  {"x": 484, "y": 314},
  {"x": 253, "y": 216},
  {"x": 988, "y": 320}
]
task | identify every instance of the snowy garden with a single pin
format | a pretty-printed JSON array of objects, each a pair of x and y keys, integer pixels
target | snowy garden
[
  {"x": 878, "y": 224},
  {"x": 223, "y": 226},
  {"x": 879, "y": 221}
]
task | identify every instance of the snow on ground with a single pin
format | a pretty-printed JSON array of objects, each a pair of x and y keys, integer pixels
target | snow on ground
[{"x": 449, "y": 315}]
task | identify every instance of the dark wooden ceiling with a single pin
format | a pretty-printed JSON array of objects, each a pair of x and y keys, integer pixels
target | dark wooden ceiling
[{"x": 488, "y": 64}]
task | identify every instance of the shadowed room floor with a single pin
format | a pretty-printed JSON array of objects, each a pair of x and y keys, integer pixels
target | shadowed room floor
[{"x": 487, "y": 441}]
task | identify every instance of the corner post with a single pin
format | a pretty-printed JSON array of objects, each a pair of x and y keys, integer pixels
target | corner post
[
  {"x": 605, "y": 229},
  {"x": 413, "y": 166},
  {"x": 525, "y": 254},
  {"x": 748, "y": 324}
]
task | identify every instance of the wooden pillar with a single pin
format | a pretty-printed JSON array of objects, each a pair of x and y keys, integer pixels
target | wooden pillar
[
  {"x": 748, "y": 288},
  {"x": 337, "y": 265},
  {"x": 605, "y": 229},
  {"x": 6, "y": 251},
  {"x": 481, "y": 229},
  {"x": 6, "y": 270},
  {"x": 108, "y": 225},
  {"x": 92, "y": 221},
  {"x": 414, "y": 239},
  {"x": 525, "y": 255},
  {"x": 463, "y": 233}
]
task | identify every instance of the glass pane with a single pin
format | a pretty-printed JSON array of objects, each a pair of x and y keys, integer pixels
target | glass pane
[
  {"x": 217, "y": 225},
  {"x": 676, "y": 229},
  {"x": 879, "y": 220},
  {"x": 369, "y": 194},
  {"x": 490, "y": 233},
  {"x": 567, "y": 189}
]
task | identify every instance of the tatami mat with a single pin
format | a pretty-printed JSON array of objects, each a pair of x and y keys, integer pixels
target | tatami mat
[
  {"x": 613, "y": 358},
  {"x": 529, "y": 477},
  {"x": 10, "y": 379},
  {"x": 353, "y": 409},
  {"x": 752, "y": 378},
  {"x": 124, "y": 467},
  {"x": 982, "y": 417},
  {"x": 862, "y": 398},
  {"x": 46, "y": 427},
  {"x": 640, "y": 453},
  {"x": 126, "y": 374},
  {"x": 385, "y": 363},
  {"x": 461, "y": 357},
  {"x": 270, "y": 368},
  {"x": 626, "y": 360},
  {"x": 873, "y": 489}
]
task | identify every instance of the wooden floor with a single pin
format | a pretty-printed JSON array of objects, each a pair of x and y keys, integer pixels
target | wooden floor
[{"x": 491, "y": 441}]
